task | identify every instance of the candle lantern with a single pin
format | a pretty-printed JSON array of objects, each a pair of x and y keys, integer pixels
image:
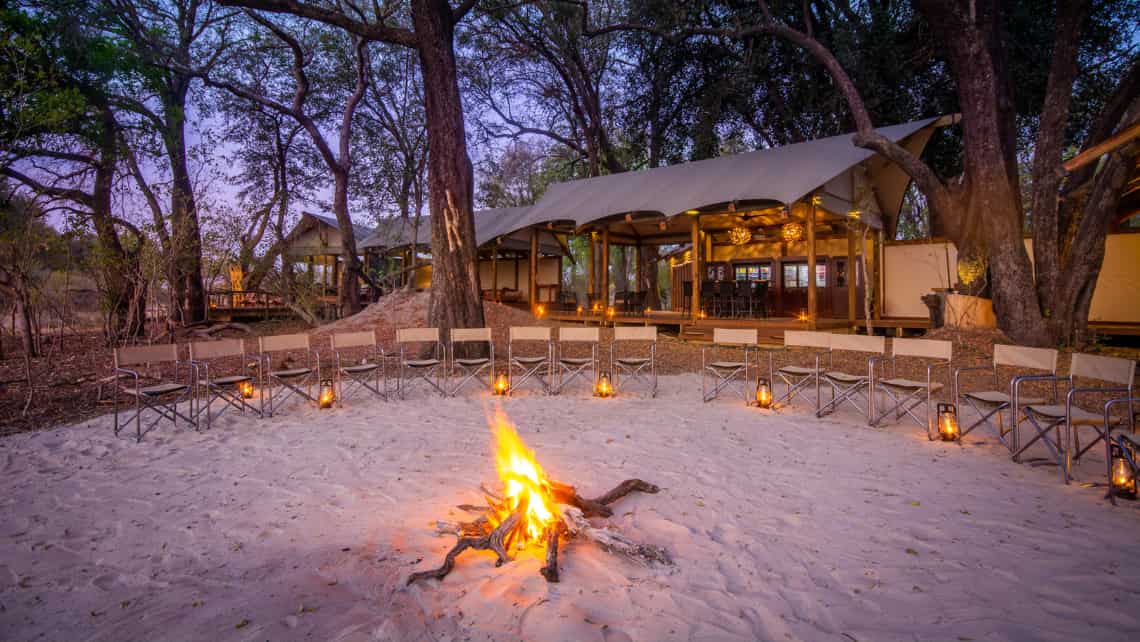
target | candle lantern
[
  {"x": 328, "y": 394},
  {"x": 539, "y": 311},
  {"x": 603, "y": 388},
  {"x": 502, "y": 385},
  {"x": 1121, "y": 458},
  {"x": 610, "y": 312},
  {"x": 763, "y": 393},
  {"x": 802, "y": 317},
  {"x": 947, "y": 421},
  {"x": 245, "y": 388},
  {"x": 579, "y": 310}
]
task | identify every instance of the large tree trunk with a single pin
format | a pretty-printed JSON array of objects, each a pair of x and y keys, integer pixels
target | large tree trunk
[
  {"x": 186, "y": 250},
  {"x": 455, "y": 301},
  {"x": 349, "y": 291}
]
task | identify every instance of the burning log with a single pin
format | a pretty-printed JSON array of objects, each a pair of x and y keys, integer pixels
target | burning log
[
  {"x": 493, "y": 541},
  {"x": 533, "y": 509}
]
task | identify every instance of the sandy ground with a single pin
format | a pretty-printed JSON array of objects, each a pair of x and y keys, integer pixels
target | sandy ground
[{"x": 783, "y": 527}]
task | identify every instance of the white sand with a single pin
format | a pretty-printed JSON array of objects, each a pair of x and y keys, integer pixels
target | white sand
[{"x": 783, "y": 527}]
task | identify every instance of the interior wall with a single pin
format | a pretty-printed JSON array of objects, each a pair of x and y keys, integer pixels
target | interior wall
[{"x": 549, "y": 273}]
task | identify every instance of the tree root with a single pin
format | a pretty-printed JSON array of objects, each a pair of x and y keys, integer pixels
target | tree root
[{"x": 492, "y": 541}]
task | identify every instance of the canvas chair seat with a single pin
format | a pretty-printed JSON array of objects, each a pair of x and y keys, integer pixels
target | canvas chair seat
[
  {"x": 290, "y": 373},
  {"x": 529, "y": 360},
  {"x": 844, "y": 377},
  {"x": 422, "y": 363},
  {"x": 998, "y": 398},
  {"x": 473, "y": 362},
  {"x": 633, "y": 361},
  {"x": 575, "y": 361},
  {"x": 910, "y": 384},
  {"x": 224, "y": 381},
  {"x": 362, "y": 367},
  {"x": 727, "y": 365},
  {"x": 799, "y": 371},
  {"x": 1079, "y": 415},
  {"x": 158, "y": 390}
]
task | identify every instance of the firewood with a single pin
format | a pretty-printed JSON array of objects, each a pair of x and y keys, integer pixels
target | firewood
[
  {"x": 492, "y": 541},
  {"x": 598, "y": 507},
  {"x": 550, "y": 571},
  {"x": 612, "y": 541}
]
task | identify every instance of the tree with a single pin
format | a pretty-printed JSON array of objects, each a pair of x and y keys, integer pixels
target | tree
[
  {"x": 456, "y": 300},
  {"x": 246, "y": 81},
  {"x": 61, "y": 139},
  {"x": 169, "y": 38},
  {"x": 1069, "y": 217}
]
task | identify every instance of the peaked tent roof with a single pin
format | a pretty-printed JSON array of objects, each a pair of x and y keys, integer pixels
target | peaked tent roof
[
  {"x": 489, "y": 225},
  {"x": 781, "y": 174},
  {"x": 359, "y": 231}
]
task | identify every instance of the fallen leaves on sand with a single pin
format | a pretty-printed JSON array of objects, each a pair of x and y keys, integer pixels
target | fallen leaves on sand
[
  {"x": 911, "y": 551},
  {"x": 242, "y": 624}
]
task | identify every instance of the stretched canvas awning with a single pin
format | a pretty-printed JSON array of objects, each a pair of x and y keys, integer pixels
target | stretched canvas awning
[
  {"x": 318, "y": 235},
  {"x": 776, "y": 176},
  {"x": 490, "y": 224}
]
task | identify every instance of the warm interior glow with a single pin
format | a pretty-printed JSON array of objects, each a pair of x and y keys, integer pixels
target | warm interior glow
[
  {"x": 792, "y": 232},
  {"x": 524, "y": 484},
  {"x": 739, "y": 235}
]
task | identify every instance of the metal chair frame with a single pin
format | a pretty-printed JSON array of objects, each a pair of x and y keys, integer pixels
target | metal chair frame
[
  {"x": 421, "y": 369},
  {"x": 223, "y": 388},
  {"x": 1015, "y": 356},
  {"x": 292, "y": 379},
  {"x": 1060, "y": 446},
  {"x": 163, "y": 398},
  {"x": 634, "y": 367},
  {"x": 530, "y": 366},
  {"x": 845, "y": 386},
  {"x": 471, "y": 368},
  {"x": 366, "y": 376},
  {"x": 724, "y": 374},
  {"x": 818, "y": 344},
  {"x": 908, "y": 395},
  {"x": 567, "y": 369}
]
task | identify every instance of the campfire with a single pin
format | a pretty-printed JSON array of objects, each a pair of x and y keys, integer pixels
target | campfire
[{"x": 531, "y": 510}]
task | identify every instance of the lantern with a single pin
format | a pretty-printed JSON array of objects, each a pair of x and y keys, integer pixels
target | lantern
[
  {"x": 610, "y": 312},
  {"x": 792, "y": 232},
  {"x": 603, "y": 388},
  {"x": 539, "y": 311},
  {"x": 701, "y": 314},
  {"x": 739, "y": 235},
  {"x": 501, "y": 385},
  {"x": 579, "y": 310},
  {"x": 947, "y": 421},
  {"x": 802, "y": 316},
  {"x": 816, "y": 199},
  {"x": 763, "y": 393},
  {"x": 328, "y": 394},
  {"x": 245, "y": 388},
  {"x": 648, "y": 310},
  {"x": 1123, "y": 477}
]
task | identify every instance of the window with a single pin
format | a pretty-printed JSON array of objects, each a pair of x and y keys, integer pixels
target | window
[
  {"x": 765, "y": 272},
  {"x": 795, "y": 275},
  {"x": 753, "y": 272}
]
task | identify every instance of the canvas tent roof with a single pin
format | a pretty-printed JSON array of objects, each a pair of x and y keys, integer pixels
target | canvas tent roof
[
  {"x": 489, "y": 225},
  {"x": 779, "y": 175}
]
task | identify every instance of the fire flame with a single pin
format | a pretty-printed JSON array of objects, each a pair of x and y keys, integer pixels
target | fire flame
[{"x": 524, "y": 485}]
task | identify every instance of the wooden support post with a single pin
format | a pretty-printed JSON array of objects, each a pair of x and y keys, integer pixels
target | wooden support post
[
  {"x": 532, "y": 284},
  {"x": 606, "y": 266},
  {"x": 591, "y": 292},
  {"x": 851, "y": 274},
  {"x": 695, "y": 305},
  {"x": 495, "y": 271},
  {"x": 812, "y": 302},
  {"x": 877, "y": 274}
]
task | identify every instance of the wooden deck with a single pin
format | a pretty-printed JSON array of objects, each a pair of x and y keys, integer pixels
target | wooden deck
[{"x": 770, "y": 330}]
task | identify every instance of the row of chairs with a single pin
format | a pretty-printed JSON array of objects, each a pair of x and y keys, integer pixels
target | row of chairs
[
  {"x": 223, "y": 373},
  {"x": 1054, "y": 424}
]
